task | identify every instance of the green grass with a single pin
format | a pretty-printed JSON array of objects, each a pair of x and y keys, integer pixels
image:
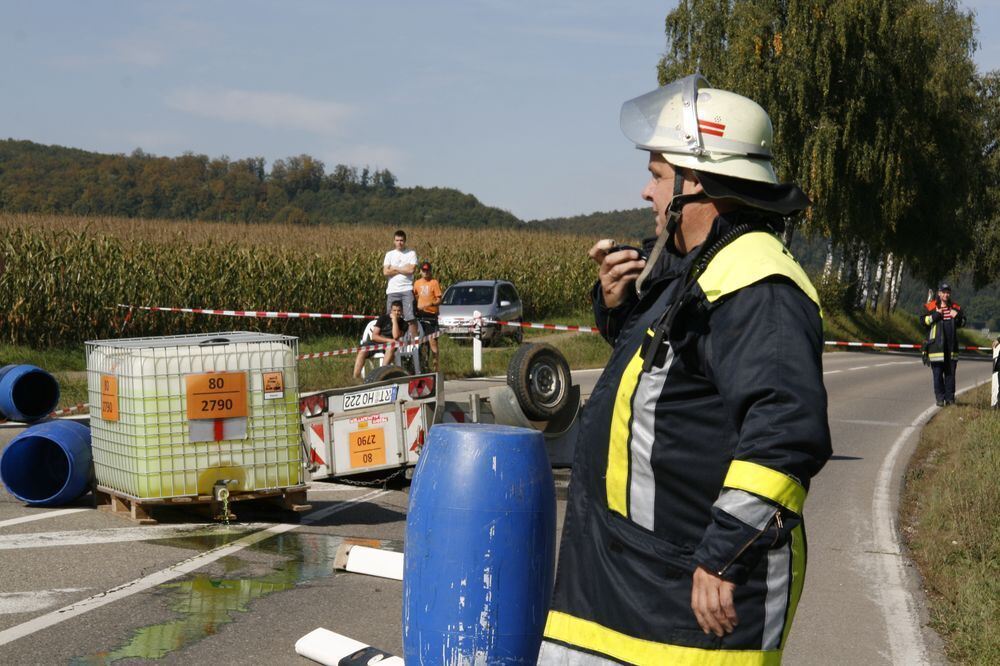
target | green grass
[
  {"x": 952, "y": 525},
  {"x": 65, "y": 358},
  {"x": 582, "y": 350}
]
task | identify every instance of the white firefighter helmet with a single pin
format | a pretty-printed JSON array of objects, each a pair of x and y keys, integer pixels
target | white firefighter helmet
[{"x": 702, "y": 128}]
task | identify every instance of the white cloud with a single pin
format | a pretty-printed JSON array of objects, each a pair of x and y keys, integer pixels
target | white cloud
[
  {"x": 138, "y": 51},
  {"x": 273, "y": 110},
  {"x": 381, "y": 157}
]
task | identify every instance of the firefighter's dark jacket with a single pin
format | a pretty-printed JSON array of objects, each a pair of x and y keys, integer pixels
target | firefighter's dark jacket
[
  {"x": 942, "y": 334},
  {"x": 703, "y": 459}
]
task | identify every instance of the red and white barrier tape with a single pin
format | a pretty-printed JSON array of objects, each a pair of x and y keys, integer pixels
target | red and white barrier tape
[
  {"x": 893, "y": 345},
  {"x": 521, "y": 324},
  {"x": 376, "y": 347},
  {"x": 547, "y": 327},
  {"x": 259, "y": 314},
  {"x": 72, "y": 409}
]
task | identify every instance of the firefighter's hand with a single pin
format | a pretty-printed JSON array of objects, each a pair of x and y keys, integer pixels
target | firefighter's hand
[
  {"x": 712, "y": 603},
  {"x": 618, "y": 270}
]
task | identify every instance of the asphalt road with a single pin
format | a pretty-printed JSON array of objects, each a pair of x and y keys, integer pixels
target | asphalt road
[{"x": 86, "y": 587}]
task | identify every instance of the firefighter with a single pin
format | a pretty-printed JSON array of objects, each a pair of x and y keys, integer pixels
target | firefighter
[
  {"x": 943, "y": 317},
  {"x": 684, "y": 540}
]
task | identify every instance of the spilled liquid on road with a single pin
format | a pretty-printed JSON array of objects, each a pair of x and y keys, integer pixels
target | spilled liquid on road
[{"x": 207, "y": 602}]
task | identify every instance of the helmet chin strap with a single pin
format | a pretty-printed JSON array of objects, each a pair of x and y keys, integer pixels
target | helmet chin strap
[{"x": 666, "y": 238}]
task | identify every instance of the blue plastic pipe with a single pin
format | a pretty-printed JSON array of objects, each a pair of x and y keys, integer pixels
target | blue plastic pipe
[
  {"x": 48, "y": 464},
  {"x": 480, "y": 546},
  {"x": 27, "y": 393}
]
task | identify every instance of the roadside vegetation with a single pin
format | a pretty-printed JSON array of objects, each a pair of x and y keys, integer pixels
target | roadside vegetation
[
  {"x": 952, "y": 527},
  {"x": 64, "y": 276}
]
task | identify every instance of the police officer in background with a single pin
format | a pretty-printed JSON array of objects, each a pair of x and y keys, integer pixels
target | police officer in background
[
  {"x": 943, "y": 317},
  {"x": 684, "y": 540}
]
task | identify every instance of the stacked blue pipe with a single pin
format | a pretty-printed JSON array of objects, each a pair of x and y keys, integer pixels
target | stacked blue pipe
[
  {"x": 48, "y": 464},
  {"x": 27, "y": 393},
  {"x": 480, "y": 547}
]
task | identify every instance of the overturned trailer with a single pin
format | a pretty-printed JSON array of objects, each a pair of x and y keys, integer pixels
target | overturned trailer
[{"x": 382, "y": 426}]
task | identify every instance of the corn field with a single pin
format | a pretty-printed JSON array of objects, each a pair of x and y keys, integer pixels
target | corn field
[{"x": 61, "y": 278}]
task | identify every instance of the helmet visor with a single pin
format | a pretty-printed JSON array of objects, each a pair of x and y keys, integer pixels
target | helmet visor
[{"x": 666, "y": 119}]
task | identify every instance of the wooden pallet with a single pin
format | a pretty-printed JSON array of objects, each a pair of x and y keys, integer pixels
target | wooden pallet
[{"x": 140, "y": 509}]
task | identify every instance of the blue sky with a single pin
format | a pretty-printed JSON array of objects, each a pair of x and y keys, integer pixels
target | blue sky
[{"x": 513, "y": 101}]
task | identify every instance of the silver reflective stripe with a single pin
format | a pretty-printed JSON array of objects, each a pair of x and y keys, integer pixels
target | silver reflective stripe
[
  {"x": 746, "y": 508},
  {"x": 642, "y": 484},
  {"x": 554, "y": 654},
  {"x": 779, "y": 575}
]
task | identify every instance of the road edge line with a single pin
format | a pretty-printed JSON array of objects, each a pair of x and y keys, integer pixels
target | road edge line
[{"x": 900, "y": 609}]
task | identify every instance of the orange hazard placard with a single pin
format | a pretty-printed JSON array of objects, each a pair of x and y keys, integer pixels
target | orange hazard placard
[
  {"x": 274, "y": 385},
  {"x": 216, "y": 395},
  {"x": 367, "y": 447},
  {"x": 109, "y": 397}
]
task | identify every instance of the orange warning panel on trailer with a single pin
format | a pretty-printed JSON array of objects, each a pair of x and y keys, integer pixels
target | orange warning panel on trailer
[{"x": 367, "y": 447}]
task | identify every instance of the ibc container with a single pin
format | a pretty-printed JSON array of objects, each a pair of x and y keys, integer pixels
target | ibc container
[{"x": 144, "y": 443}]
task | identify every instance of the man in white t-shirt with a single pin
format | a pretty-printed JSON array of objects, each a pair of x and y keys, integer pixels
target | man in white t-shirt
[{"x": 399, "y": 265}]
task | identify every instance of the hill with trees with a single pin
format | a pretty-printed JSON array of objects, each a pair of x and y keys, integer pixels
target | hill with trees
[{"x": 52, "y": 179}]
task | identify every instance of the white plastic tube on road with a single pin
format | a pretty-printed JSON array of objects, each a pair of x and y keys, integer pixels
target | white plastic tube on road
[
  {"x": 332, "y": 649},
  {"x": 374, "y": 562}
]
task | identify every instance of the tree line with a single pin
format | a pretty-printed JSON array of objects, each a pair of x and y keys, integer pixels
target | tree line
[
  {"x": 879, "y": 113},
  {"x": 54, "y": 179}
]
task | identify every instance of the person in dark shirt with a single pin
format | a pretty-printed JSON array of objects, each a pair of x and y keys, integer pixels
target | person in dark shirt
[{"x": 388, "y": 328}]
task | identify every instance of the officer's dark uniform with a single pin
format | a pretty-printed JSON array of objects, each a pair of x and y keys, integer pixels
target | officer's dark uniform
[
  {"x": 697, "y": 450},
  {"x": 941, "y": 348}
]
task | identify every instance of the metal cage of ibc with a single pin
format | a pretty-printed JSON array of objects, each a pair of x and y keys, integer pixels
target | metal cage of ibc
[{"x": 177, "y": 416}]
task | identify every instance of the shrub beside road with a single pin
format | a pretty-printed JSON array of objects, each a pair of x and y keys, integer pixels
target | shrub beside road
[{"x": 951, "y": 523}]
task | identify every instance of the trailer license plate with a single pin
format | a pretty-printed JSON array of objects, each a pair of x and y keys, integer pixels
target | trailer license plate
[
  {"x": 367, "y": 447},
  {"x": 370, "y": 398}
]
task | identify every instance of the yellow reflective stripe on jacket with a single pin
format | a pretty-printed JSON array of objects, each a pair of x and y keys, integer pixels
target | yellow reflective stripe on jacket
[
  {"x": 591, "y": 636},
  {"x": 928, "y": 320},
  {"x": 936, "y": 356},
  {"x": 766, "y": 482},
  {"x": 798, "y": 577},
  {"x": 618, "y": 453},
  {"x": 749, "y": 259},
  {"x": 933, "y": 335}
]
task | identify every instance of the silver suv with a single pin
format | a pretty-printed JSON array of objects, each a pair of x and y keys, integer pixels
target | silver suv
[{"x": 496, "y": 300}]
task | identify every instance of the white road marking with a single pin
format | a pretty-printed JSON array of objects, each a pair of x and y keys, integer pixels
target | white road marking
[
  {"x": 899, "y": 608},
  {"x": 879, "y": 365},
  {"x": 892, "y": 424},
  {"x": 39, "y": 516},
  {"x": 118, "y": 535},
  {"x": 36, "y": 600},
  {"x": 186, "y": 566},
  {"x": 832, "y": 372},
  {"x": 323, "y": 487},
  {"x": 860, "y": 367}
]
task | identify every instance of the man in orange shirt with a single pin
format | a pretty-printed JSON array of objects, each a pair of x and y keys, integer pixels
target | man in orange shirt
[{"x": 428, "y": 294}]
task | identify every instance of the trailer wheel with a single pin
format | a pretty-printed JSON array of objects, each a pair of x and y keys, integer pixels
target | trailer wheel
[
  {"x": 385, "y": 372},
  {"x": 539, "y": 376}
]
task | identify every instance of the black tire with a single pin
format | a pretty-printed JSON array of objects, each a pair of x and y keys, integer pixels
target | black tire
[
  {"x": 539, "y": 376},
  {"x": 518, "y": 333},
  {"x": 385, "y": 372}
]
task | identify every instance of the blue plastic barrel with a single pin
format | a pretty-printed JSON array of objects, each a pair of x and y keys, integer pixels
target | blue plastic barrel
[
  {"x": 480, "y": 547},
  {"x": 48, "y": 464},
  {"x": 27, "y": 393}
]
